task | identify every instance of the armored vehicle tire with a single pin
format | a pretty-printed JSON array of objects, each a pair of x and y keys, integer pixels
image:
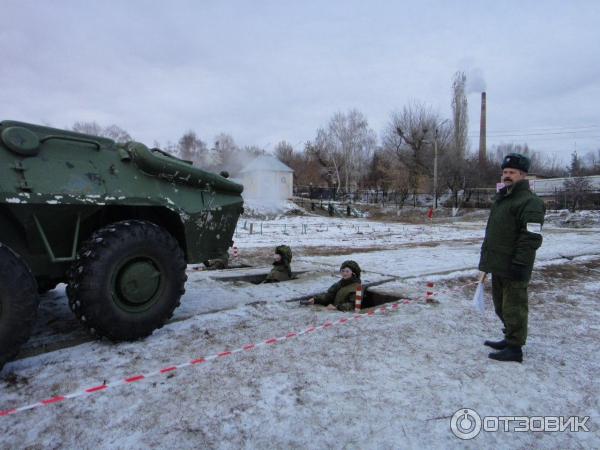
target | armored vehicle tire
[
  {"x": 127, "y": 281},
  {"x": 18, "y": 304}
]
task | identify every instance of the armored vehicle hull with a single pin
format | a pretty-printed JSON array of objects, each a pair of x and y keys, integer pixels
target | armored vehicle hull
[{"x": 117, "y": 222}]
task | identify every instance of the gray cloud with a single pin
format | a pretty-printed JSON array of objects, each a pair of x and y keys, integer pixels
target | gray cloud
[{"x": 266, "y": 71}]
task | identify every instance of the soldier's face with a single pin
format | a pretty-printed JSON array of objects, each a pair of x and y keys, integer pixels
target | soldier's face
[
  {"x": 511, "y": 176},
  {"x": 346, "y": 273},
  {"x": 277, "y": 257}
]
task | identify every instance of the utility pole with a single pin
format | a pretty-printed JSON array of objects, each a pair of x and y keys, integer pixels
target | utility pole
[
  {"x": 435, "y": 139},
  {"x": 435, "y": 164}
]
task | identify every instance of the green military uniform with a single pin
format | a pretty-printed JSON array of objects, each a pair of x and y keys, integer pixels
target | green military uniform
[
  {"x": 343, "y": 293},
  {"x": 282, "y": 270},
  {"x": 219, "y": 263},
  {"x": 512, "y": 236}
]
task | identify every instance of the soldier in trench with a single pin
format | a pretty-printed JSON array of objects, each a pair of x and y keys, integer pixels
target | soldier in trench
[
  {"x": 282, "y": 269},
  {"x": 341, "y": 295}
]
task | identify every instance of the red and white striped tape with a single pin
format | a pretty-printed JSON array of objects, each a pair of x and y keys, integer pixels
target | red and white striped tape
[{"x": 199, "y": 361}]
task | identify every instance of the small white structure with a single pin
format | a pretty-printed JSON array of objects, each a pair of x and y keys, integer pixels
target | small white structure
[
  {"x": 267, "y": 178},
  {"x": 548, "y": 186}
]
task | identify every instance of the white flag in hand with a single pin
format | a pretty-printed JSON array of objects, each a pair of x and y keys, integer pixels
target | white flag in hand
[{"x": 478, "y": 302}]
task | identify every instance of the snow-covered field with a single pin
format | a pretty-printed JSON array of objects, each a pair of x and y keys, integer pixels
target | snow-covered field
[{"x": 391, "y": 380}]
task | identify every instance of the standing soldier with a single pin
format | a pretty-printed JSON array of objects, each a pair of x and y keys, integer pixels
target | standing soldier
[
  {"x": 341, "y": 295},
  {"x": 512, "y": 236}
]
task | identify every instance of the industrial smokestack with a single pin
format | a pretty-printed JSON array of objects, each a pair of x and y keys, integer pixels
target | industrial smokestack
[{"x": 482, "y": 150}]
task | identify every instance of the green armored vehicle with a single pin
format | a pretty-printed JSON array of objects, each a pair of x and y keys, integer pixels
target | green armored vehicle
[{"x": 117, "y": 222}]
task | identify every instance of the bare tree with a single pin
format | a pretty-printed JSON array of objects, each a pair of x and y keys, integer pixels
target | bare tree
[
  {"x": 329, "y": 156},
  {"x": 91, "y": 128},
  {"x": 408, "y": 135},
  {"x": 117, "y": 134},
  {"x": 460, "y": 115},
  {"x": 223, "y": 151},
  {"x": 113, "y": 132},
  {"x": 393, "y": 175},
  {"x": 453, "y": 142},
  {"x": 285, "y": 152},
  {"x": 576, "y": 189},
  {"x": 253, "y": 150},
  {"x": 592, "y": 162},
  {"x": 346, "y": 146},
  {"x": 192, "y": 148}
]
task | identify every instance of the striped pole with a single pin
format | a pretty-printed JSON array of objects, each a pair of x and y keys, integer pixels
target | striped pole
[
  {"x": 358, "y": 298},
  {"x": 429, "y": 294}
]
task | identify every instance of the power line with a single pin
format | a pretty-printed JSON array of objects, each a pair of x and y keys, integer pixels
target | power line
[
  {"x": 541, "y": 138},
  {"x": 556, "y": 127},
  {"x": 550, "y": 131}
]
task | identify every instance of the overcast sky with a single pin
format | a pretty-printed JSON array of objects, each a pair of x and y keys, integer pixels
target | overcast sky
[{"x": 268, "y": 71}]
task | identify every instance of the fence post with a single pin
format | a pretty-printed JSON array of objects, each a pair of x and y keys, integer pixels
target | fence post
[{"x": 251, "y": 227}]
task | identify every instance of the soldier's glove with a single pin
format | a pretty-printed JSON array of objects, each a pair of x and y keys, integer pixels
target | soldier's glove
[{"x": 517, "y": 272}]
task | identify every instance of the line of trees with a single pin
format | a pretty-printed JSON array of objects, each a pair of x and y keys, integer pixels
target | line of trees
[
  {"x": 223, "y": 154},
  {"x": 346, "y": 155}
]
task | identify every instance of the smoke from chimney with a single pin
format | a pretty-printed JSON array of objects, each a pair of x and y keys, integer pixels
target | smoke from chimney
[{"x": 482, "y": 132}]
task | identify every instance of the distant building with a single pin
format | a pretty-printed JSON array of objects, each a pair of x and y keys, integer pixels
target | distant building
[
  {"x": 266, "y": 176},
  {"x": 549, "y": 186}
]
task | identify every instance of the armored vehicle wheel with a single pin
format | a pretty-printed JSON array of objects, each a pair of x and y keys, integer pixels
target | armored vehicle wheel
[
  {"x": 18, "y": 303},
  {"x": 127, "y": 281}
]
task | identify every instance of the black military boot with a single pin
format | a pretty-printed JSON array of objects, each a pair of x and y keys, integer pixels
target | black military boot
[
  {"x": 497, "y": 345},
  {"x": 510, "y": 353}
]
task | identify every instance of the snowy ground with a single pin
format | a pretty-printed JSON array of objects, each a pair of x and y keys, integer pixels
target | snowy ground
[{"x": 387, "y": 381}]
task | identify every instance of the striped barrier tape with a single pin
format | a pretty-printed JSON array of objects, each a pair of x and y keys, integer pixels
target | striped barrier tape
[
  {"x": 199, "y": 361},
  {"x": 223, "y": 354}
]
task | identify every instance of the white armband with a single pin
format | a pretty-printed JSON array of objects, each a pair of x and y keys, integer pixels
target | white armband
[{"x": 534, "y": 227}]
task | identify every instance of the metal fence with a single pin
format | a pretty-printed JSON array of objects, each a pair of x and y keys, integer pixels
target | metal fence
[{"x": 472, "y": 198}]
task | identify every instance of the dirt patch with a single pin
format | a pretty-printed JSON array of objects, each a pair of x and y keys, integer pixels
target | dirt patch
[
  {"x": 13, "y": 380},
  {"x": 255, "y": 278},
  {"x": 258, "y": 256},
  {"x": 571, "y": 271},
  {"x": 551, "y": 276}
]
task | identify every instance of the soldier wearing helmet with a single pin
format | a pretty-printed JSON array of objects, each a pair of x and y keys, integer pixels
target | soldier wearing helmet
[
  {"x": 282, "y": 269},
  {"x": 341, "y": 295}
]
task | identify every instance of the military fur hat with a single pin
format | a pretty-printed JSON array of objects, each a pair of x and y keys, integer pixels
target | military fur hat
[
  {"x": 285, "y": 252},
  {"x": 353, "y": 266},
  {"x": 516, "y": 161}
]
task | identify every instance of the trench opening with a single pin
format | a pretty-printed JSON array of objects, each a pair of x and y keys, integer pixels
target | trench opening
[
  {"x": 203, "y": 268},
  {"x": 257, "y": 278},
  {"x": 372, "y": 299}
]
